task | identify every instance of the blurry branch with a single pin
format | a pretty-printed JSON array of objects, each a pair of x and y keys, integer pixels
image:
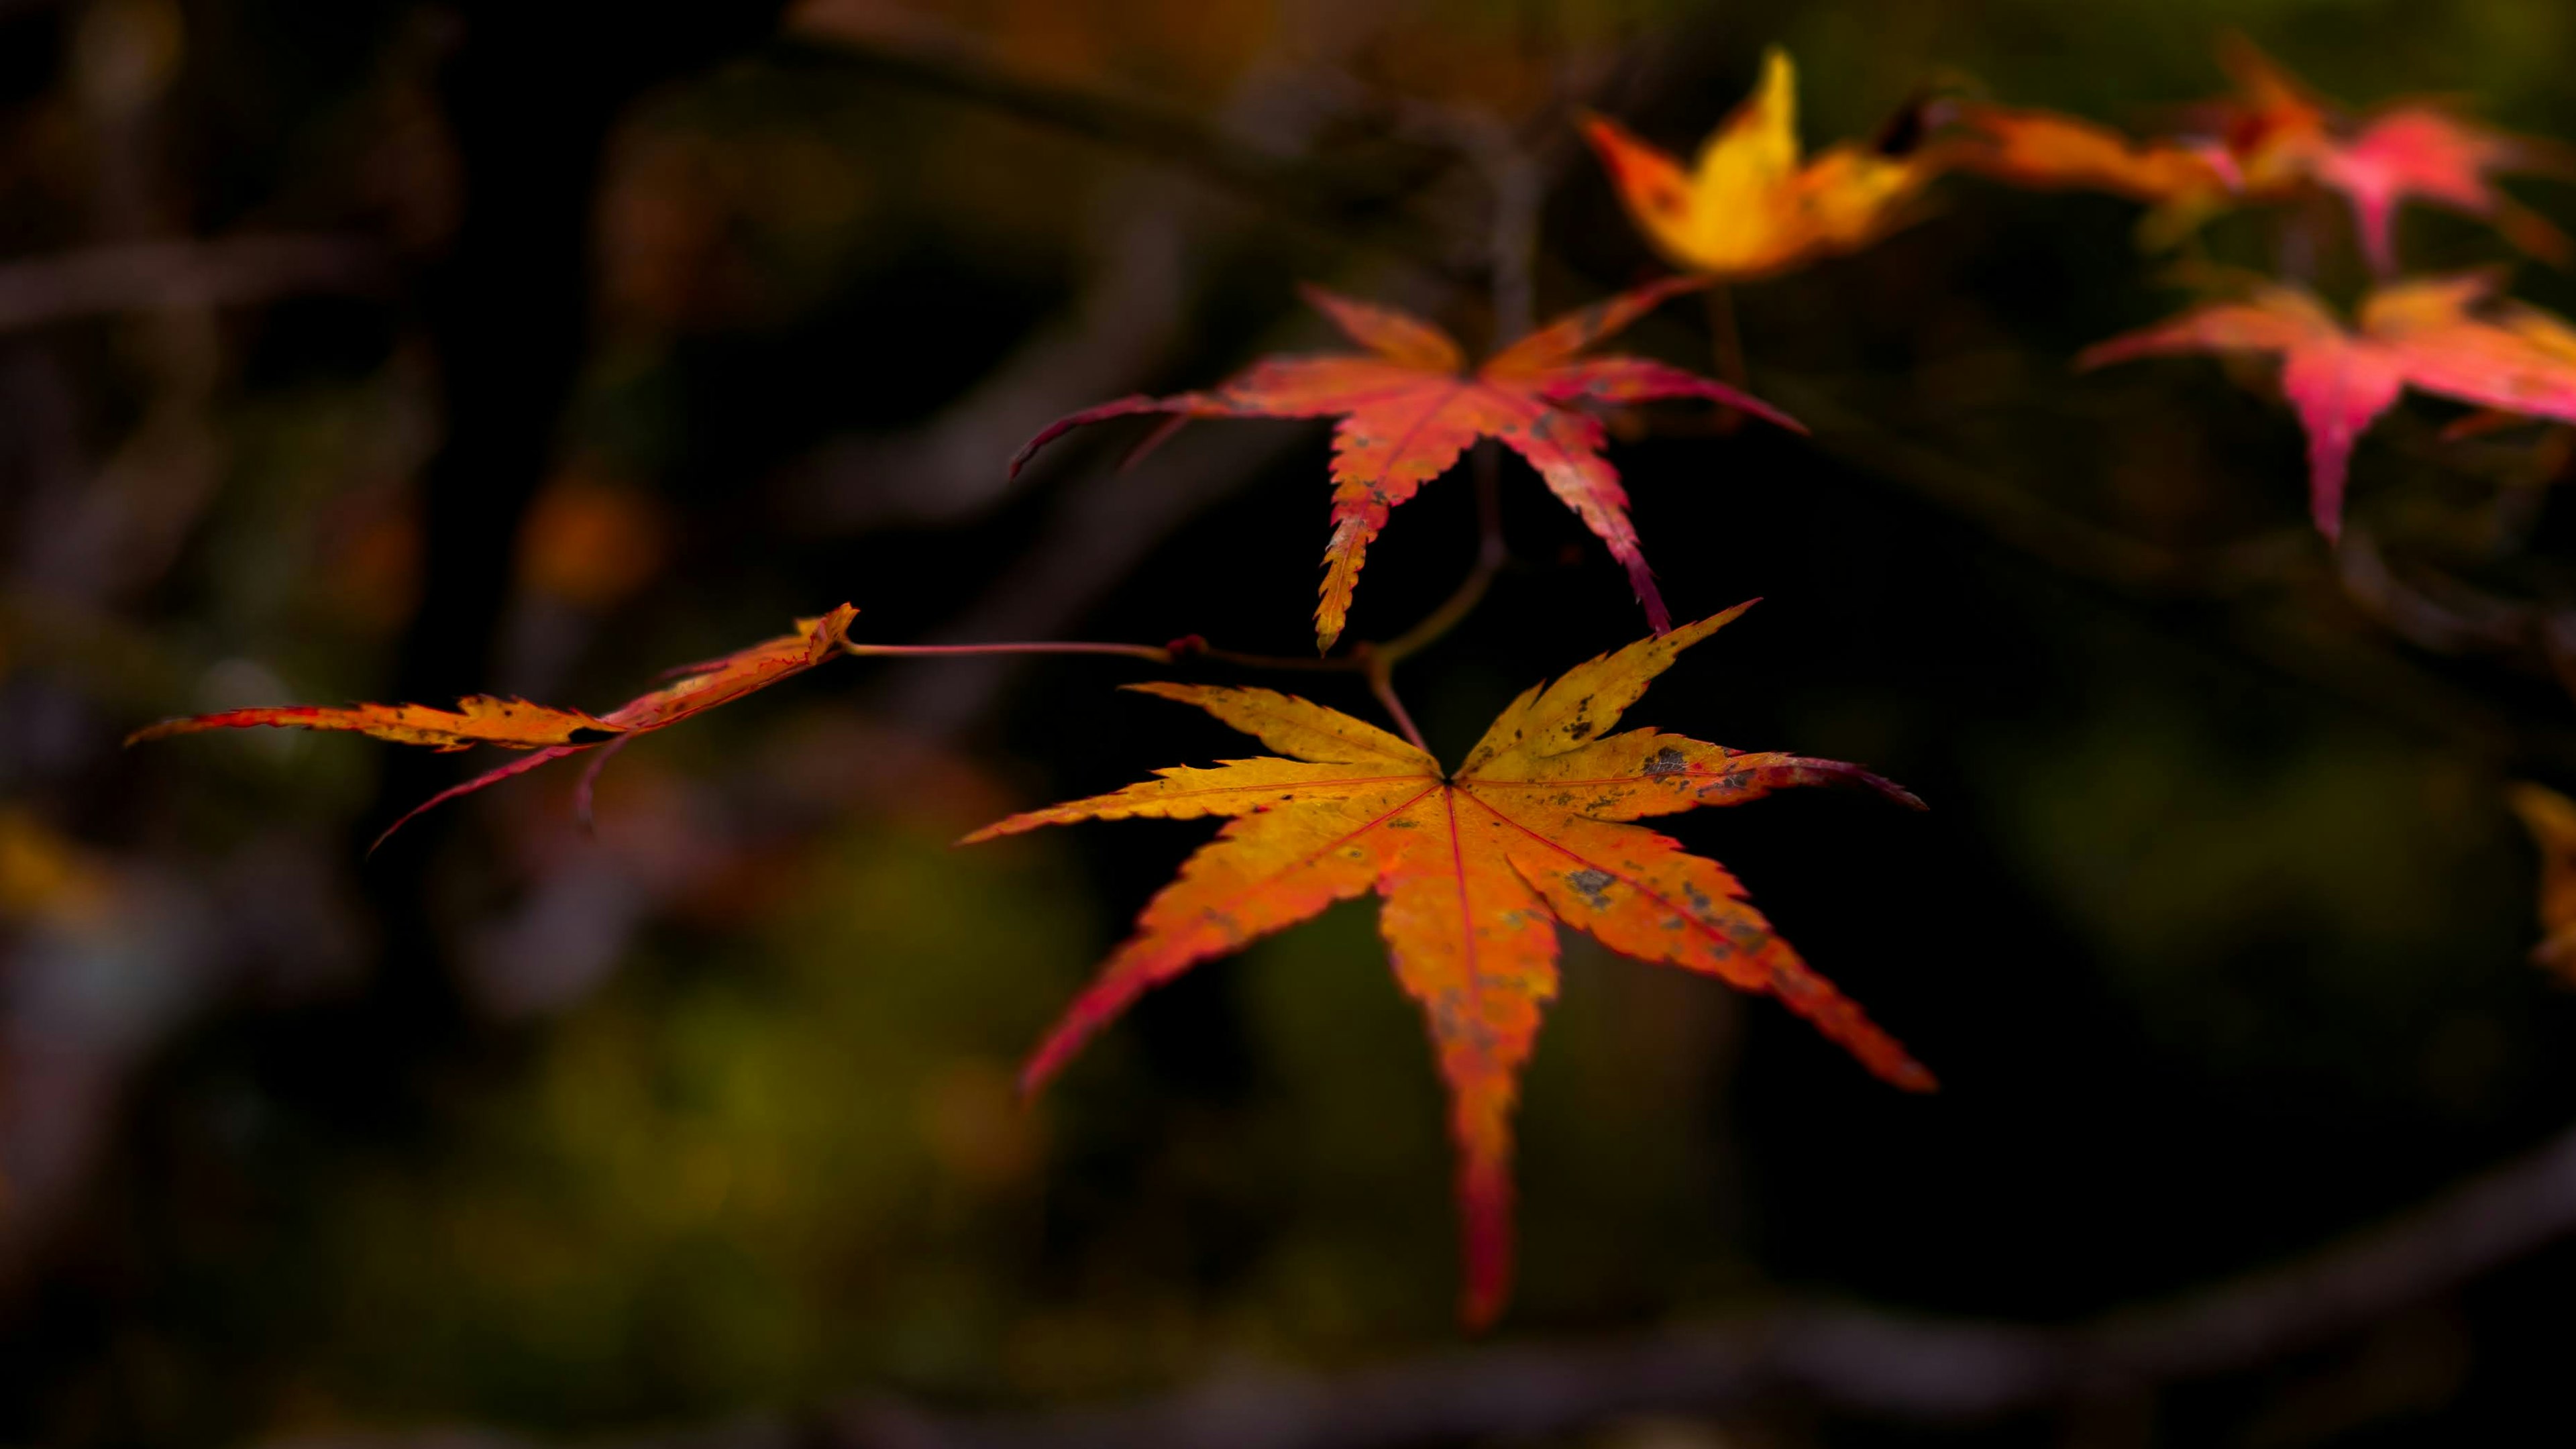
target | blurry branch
[
  {"x": 2276, "y": 598},
  {"x": 923, "y": 56},
  {"x": 2022, "y": 518},
  {"x": 2447, "y": 616},
  {"x": 1124, "y": 323},
  {"x": 1517, "y": 184},
  {"x": 1097, "y": 535},
  {"x": 151, "y": 276},
  {"x": 1861, "y": 1361},
  {"x": 1871, "y": 1363},
  {"x": 1491, "y": 555}
]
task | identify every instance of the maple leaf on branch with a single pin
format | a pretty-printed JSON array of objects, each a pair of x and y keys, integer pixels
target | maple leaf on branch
[
  {"x": 2441, "y": 335},
  {"x": 550, "y": 734},
  {"x": 2283, "y": 134},
  {"x": 1409, "y": 408},
  {"x": 1476, "y": 868},
  {"x": 1747, "y": 208},
  {"x": 2274, "y": 138}
]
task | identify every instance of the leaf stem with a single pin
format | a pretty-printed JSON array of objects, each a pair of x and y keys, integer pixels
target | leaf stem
[
  {"x": 1381, "y": 679},
  {"x": 1179, "y": 651},
  {"x": 1363, "y": 657},
  {"x": 1159, "y": 655},
  {"x": 1490, "y": 557},
  {"x": 1726, "y": 346}
]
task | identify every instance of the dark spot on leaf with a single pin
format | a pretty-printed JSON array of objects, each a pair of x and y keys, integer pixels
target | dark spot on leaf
[
  {"x": 1592, "y": 885},
  {"x": 1666, "y": 762}
]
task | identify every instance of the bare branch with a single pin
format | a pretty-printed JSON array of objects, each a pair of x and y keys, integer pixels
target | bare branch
[
  {"x": 1858, "y": 1360},
  {"x": 2275, "y": 597},
  {"x": 924, "y": 56},
  {"x": 154, "y": 276}
]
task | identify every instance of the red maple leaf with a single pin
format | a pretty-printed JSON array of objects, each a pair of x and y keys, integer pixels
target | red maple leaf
[
  {"x": 2434, "y": 335},
  {"x": 1409, "y": 407}
]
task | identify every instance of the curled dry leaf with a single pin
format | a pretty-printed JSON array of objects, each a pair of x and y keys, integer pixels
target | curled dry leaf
[
  {"x": 1409, "y": 407},
  {"x": 549, "y": 733},
  {"x": 1476, "y": 868},
  {"x": 481, "y": 719},
  {"x": 2444, "y": 335},
  {"x": 1747, "y": 208}
]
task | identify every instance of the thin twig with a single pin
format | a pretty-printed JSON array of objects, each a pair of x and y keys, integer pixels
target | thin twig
[
  {"x": 1490, "y": 556},
  {"x": 1381, "y": 682},
  {"x": 1726, "y": 345},
  {"x": 1159, "y": 654},
  {"x": 1375, "y": 661}
]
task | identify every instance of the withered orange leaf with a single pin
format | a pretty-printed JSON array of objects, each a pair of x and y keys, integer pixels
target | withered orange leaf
[
  {"x": 1747, "y": 208},
  {"x": 482, "y": 719},
  {"x": 1476, "y": 868},
  {"x": 1409, "y": 407},
  {"x": 549, "y": 733},
  {"x": 2551, "y": 819},
  {"x": 2444, "y": 336}
]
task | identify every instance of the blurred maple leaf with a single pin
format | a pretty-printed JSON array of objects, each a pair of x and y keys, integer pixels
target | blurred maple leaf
[
  {"x": 2052, "y": 151},
  {"x": 2551, "y": 819},
  {"x": 1746, "y": 208},
  {"x": 550, "y": 733},
  {"x": 2275, "y": 137},
  {"x": 590, "y": 539},
  {"x": 1474, "y": 867},
  {"x": 2422, "y": 334},
  {"x": 1409, "y": 408}
]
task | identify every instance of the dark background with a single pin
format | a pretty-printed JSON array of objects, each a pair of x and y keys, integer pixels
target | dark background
[{"x": 613, "y": 336}]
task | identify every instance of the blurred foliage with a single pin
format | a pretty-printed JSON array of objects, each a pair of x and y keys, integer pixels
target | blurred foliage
[{"x": 2216, "y": 932}]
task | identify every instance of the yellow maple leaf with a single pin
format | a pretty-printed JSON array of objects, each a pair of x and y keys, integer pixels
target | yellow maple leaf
[{"x": 1747, "y": 207}]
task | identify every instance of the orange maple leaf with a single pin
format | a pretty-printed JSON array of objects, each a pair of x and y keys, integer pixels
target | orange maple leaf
[
  {"x": 1747, "y": 208},
  {"x": 2424, "y": 334},
  {"x": 1475, "y": 868},
  {"x": 515, "y": 724},
  {"x": 2276, "y": 137},
  {"x": 2048, "y": 150},
  {"x": 1409, "y": 408}
]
